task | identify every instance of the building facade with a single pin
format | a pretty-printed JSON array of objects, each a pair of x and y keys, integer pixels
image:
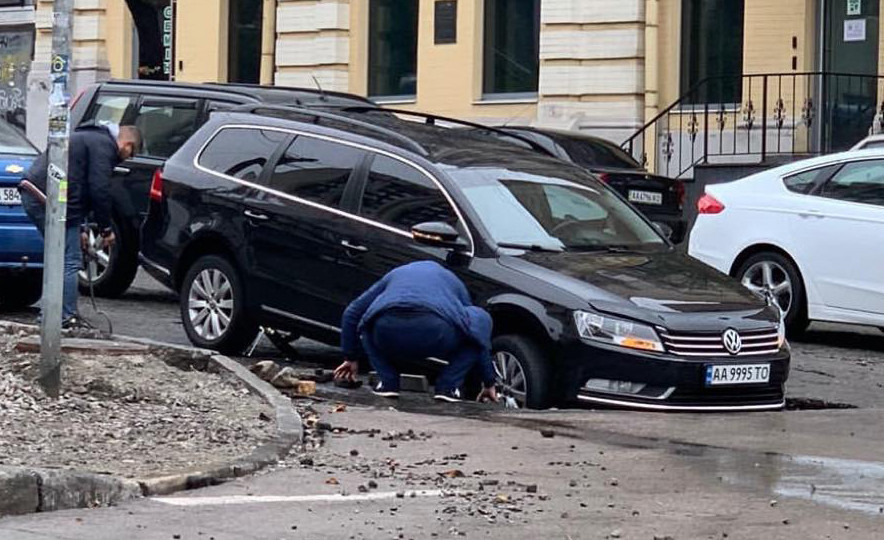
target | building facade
[
  {"x": 602, "y": 66},
  {"x": 16, "y": 52}
]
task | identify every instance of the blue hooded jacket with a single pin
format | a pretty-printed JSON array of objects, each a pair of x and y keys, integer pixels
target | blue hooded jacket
[{"x": 426, "y": 285}]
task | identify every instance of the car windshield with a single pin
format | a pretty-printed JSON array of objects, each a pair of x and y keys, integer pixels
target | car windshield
[
  {"x": 13, "y": 142},
  {"x": 567, "y": 210}
]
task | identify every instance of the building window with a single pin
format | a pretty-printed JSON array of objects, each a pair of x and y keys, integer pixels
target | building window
[
  {"x": 244, "y": 43},
  {"x": 392, "y": 48},
  {"x": 712, "y": 48},
  {"x": 512, "y": 47}
]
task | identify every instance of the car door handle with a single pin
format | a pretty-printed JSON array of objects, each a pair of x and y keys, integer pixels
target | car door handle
[
  {"x": 122, "y": 170},
  {"x": 354, "y": 247},
  {"x": 811, "y": 213},
  {"x": 256, "y": 215}
]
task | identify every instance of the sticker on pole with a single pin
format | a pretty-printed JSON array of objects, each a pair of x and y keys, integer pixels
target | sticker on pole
[
  {"x": 59, "y": 63},
  {"x": 58, "y": 175}
]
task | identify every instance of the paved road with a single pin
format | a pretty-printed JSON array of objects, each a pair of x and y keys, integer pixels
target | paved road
[{"x": 605, "y": 474}]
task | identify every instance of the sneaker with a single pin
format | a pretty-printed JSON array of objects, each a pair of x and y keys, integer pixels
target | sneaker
[
  {"x": 380, "y": 390},
  {"x": 76, "y": 322},
  {"x": 451, "y": 396}
]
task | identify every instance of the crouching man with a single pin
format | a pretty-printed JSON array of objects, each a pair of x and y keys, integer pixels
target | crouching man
[{"x": 418, "y": 311}]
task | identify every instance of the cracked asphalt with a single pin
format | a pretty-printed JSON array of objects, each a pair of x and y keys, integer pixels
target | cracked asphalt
[{"x": 602, "y": 473}]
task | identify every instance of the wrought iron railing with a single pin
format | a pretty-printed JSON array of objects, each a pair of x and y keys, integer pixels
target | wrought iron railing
[{"x": 750, "y": 118}]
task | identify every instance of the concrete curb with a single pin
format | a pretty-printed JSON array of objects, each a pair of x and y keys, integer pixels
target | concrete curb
[
  {"x": 289, "y": 431},
  {"x": 25, "y": 490}
]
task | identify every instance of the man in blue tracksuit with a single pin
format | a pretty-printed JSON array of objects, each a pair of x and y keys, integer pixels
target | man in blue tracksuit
[{"x": 418, "y": 311}]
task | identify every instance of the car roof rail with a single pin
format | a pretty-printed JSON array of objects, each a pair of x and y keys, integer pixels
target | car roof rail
[
  {"x": 430, "y": 119},
  {"x": 316, "y": 116},
  {"x": 314, "y": 91}
]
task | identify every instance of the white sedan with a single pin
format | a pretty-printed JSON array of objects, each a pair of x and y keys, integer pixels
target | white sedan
[{"x": 810, "y": 233}]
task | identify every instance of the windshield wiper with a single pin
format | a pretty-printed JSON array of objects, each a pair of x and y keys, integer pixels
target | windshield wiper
[
  {"x": 530, "y": 247},
  {"x": 610, "y": 248}
]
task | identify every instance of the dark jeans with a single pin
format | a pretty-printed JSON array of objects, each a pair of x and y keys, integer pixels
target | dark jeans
[
  {"x": 399, "y": 338},
  {"x": 73, "y": 256}
]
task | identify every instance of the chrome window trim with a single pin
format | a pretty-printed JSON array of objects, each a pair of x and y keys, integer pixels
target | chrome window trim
[{"x": 318, "y": 206}]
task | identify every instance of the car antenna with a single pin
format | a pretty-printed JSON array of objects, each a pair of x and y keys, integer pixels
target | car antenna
[
  {"x": 319, "y": 86},
  {"x": 518, "y": 114}
]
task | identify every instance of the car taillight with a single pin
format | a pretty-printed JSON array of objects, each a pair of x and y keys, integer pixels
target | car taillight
[
  {"x": 680, "y": 193},
  {"x": 709, "y": 205},
  {"x": 156, "y": 186},
  {"x": 77, "y": 97},
  {"x": 605, "y": 177}
]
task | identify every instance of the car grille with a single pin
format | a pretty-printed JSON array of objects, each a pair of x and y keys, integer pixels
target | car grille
[
  {"x": 729, "y": 396},
  {"x": 755, "y": 343}
]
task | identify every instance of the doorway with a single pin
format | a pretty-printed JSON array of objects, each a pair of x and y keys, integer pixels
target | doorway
[
  {"x": 244, "y": 42},
  {"x": 850, "y": 66},
  {"x": 154, "y": 23}
]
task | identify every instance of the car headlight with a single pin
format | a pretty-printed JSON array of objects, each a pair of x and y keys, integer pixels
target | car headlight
[
  {"x": 614, "y": 331},
  {"x": 781, "y": 335}
]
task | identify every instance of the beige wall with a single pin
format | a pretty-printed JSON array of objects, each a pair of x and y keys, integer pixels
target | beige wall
[{"x": 201, "y": 40}]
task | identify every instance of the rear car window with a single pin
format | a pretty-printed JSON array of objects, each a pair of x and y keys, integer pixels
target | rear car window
[
  {"x": 399, "y": 195},
  {"x": 111, "y": 108},
  {"x": 804, "y": 182},
  {"x": 165, "y": 126},
  {"x": 241, "y": 152},
  {"x": 596, "y": 153},
  {"x": 316, "y": 170},
  {"x": 14, "y": 142}
]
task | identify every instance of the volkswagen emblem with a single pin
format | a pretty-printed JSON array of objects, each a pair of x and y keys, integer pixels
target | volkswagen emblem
[{"x": 731, "y": 340}]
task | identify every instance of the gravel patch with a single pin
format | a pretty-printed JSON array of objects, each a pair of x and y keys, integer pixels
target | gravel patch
[{"x": 132, "y": 416}]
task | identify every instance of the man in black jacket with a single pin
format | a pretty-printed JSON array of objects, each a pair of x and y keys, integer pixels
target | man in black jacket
[{"x": 93, "y": 153}]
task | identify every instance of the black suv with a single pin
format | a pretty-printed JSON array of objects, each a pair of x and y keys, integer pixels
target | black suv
[
  {"x": 281, "y": 221},
  {"x": 167, "y": 114}
]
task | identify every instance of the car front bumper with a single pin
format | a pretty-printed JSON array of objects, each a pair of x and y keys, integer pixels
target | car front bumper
[{"x": 667, "y": 382}]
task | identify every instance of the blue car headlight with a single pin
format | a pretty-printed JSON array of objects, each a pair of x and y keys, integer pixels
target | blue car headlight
[{"x": 615, "y": 331}]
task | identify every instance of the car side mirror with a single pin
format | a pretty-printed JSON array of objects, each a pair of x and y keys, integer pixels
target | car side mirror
[
  {"x": 664, "y": 229},
  {"x": 438, "y": 234}
]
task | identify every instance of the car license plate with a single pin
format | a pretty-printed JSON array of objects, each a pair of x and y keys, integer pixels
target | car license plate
[
  {"x": 9, "y": 196},
  {"x": 645, "y": 197},
  {"x": 737, "y": 374}
]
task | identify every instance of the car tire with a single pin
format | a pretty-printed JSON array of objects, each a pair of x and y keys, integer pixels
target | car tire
[
  {"x": 21, "y": 290},
  {"x": 796, "y": 316},
  {"x": 205, "y": 305},
  {"x": 122, "y": 265},
  {"x": 529, "y": 357}
]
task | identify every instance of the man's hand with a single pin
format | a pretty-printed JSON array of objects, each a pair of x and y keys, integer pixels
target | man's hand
[
  {"x": 488, "y": 393},
  {"x": 109, "y": 240},
  {"x": 347, "y": 371}
]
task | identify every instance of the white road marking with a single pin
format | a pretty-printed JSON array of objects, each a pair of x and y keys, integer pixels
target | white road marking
[{"x": 258, "y": 499}]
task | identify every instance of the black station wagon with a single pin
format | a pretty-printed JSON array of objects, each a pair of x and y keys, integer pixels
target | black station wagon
[{"x": 280, "y": 217}]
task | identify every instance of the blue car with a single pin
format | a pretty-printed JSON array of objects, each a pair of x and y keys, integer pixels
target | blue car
[{"x": 21, "y": 246}]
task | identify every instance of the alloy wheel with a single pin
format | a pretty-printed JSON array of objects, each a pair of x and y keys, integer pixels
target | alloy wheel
[
  {"x": 510, "y": 377},
  {"x": 769, "y": 278},
  {"x": 210, "y": 304},
  {"x": 96, "y": 266}
]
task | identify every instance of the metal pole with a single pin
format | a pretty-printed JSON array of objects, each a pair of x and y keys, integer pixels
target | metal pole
[{"x": 56, "y": 198}]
